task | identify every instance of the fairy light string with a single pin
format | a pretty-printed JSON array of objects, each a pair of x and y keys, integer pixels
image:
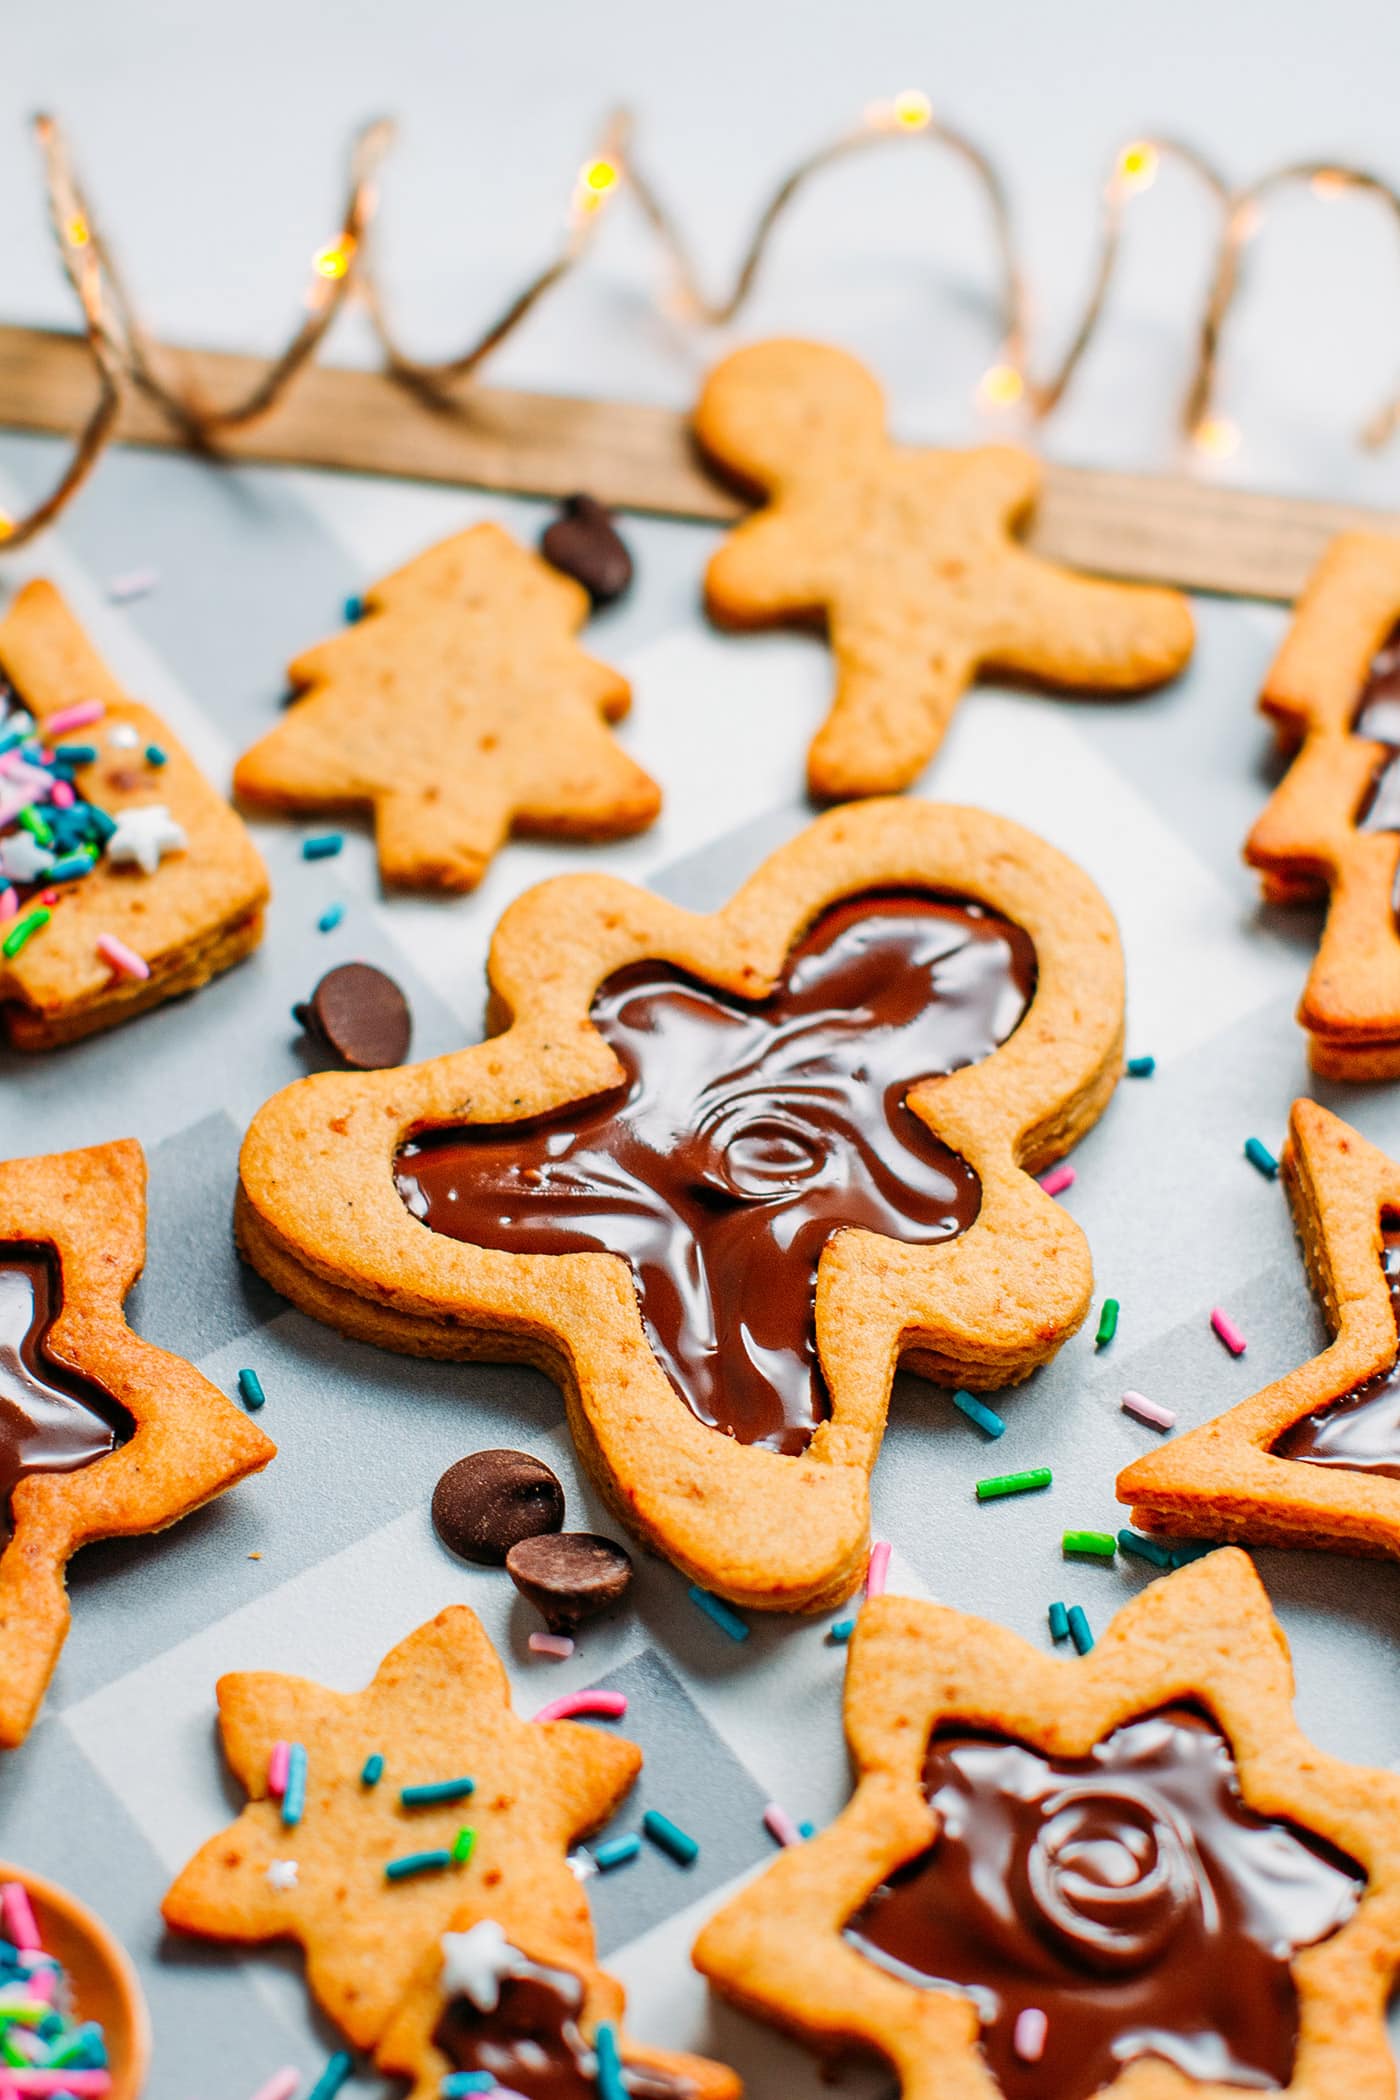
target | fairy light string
[{"x": 129, "y": 362}]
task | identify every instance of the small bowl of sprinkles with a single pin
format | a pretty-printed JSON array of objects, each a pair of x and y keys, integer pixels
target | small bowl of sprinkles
[{"x": 72, "y": 2017}]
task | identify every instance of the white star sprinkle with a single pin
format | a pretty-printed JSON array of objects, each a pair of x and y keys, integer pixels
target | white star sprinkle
[
  {"x": 23, "y": 859},
  {"x": 143, "y": 837},
  {"x": 476, "y": 1963},
  {"x": 282, "y": 1875},
  {"x": 123, "y": 737}
]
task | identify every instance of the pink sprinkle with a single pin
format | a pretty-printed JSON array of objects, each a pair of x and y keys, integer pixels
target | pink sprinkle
[
  {"x": 877, "y": 1568},
  {"x": 780, "y": 1824},
  {"x": 1228, "y": 1332},
  {"x": 556, "y": 1644},
  {"x": 79, "y": 2083},
  {"x": 280, "y": 2086},
  {"x": 9, "y": 904},
  {"x": 277, "y": 1761},
  {"x": 1148, "y": 1410},
  {"x": 17, "y": 1915},
  {"x": 61, "y": 794},
  {"x": 42, "y": 1983},
  {"x": 125, "y": 961},
  {"x": 611, "y": 1705},
  {"x": 1028, "y": 2035},
  {"x": 48, "y": 896},
  {"x": 1057, "y": 1180},
  {"x": 77, "y": 717}
]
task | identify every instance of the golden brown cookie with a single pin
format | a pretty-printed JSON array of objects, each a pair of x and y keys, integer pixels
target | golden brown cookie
[
  {"x": 1134, "y": 1849},
  {"x": 519, "y": 2005},
  {"x": 908, "y": 558},
  {"x": 179, "y": 885},
  {"x": 744, "y": 1119},
  {"x": 102, "y": 1435},
  {"x": 438, "y": 1710},
  {"x": 1314, "y": 1459},
  {"x": 458, "y": 709},
  {"x": 1333, "y": 823}
]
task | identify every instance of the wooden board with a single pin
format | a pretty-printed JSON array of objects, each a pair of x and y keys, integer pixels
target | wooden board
[{"x": 1152, "y": 527}]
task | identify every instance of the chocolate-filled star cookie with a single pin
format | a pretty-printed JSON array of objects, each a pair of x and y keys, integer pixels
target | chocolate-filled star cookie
[
  {"x": 102, "y": 1435},
  {"x": 1125, "y": 1873},
  {"x": 718, "y": 1175}
]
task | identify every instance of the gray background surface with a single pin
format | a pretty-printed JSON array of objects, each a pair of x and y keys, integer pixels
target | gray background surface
[{"x": 213, "y": 148}]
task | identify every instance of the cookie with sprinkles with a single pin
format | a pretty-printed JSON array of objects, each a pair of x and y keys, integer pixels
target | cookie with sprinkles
[
  {"x": 375, "y": 1818},
  {"x": 537, "y": 2020},
  {"x": 458, "y": 707},
  {"x": 1123, "y": 1872},
  {"x": 718, "y": 1175},
  {"x": 125, "y": 878},
  {"x": 1313, "y": 1459},
  {"x": 102, "y": 1435}
]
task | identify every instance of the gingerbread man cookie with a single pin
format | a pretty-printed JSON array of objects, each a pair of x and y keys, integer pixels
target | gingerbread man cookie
[
  {"x": 1123, "y": 1874},
  {"x": 386, "y": 1813},
  {"x": 1333, "y": 824},
  {"x": 909, "y": 559},
  {"x": 457, "y": 709},
  {"x": 1314, "y": 1459},
  {"x": 124, "y": 878},
  {"x": 102, "y": 1435},
  {"x": 540, "y": 2022},
  {"x": 718, "y": 1175}
]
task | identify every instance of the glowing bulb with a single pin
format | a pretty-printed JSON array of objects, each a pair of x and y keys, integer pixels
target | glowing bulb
[
  {"x": 7, "y": 525},
  {"x": 1001, "y": 386},
  {"x": 1216, "y": 437},
  {"x": 597, "y": 179},
  {"x": 1137, "y": 165},
  {"x": 78, "y": 233},
  {"x": 912, "y": 110},
  {"x": 333, "y": 260}
]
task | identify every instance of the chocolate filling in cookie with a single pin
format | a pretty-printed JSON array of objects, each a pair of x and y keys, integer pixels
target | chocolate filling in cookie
[
  {"x": 1129, "y": 1902},
  {"x": 745, "y": 1134},
  {"x": 1378, "y": 717},
  {"x": 530, "y": 2041},
  {"x": 51, "y": 1419},
  {"x": 1360, "y": 1432}
]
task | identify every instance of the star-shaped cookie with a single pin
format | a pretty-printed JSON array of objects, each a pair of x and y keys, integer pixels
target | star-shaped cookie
[
  {"x": 102, "y": 1435},
  {"x": 438, "y": 1710},
  {"x": 909, "y": 559},
  {"x": 1314, "y": 1459},
  {"x": 336, "y": 1209},
  {"x": 1333, "y": 823},
  {"x": 457, "y": 708},
  {"x": 1136, "y": 1866}
]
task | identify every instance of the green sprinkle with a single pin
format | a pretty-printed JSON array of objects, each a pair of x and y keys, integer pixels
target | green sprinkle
[
  {"x": 463, "y": 1845},
  {"x": 372, "y": 1770},
  {"x": 1079, "y": 1629},
  {"x": 1260, "y": 1156},
  {"x": 154, "y": 755},
  {"x": 1059, "y": 1623},
  {"x": 24, "y": 930},
  {"x": 608, "y": 2075},
  {"x": 250, "y": 1391},
  {"x": 615, "y": 1852},
  {"x": 436, "y": 1790},
  {"x": 338, "y": 2069},
  {"x": 330, "y": 918},
  {"x": 1145, "y": 1549},
  {"x": 415, "y": 1863},
  {"x": 841, "y": 1632},
  {"x": 670, "y": 1837},
  {"x": 1102, "y": 1545},
  {"x": 324, "y": 846},
  {"x": 1108, "y": 1323},
  {"x": 984, "y": 1417},
  {"x": 1141, "y": 1067},
  {"x": 37, "y": 826},
  {"x": 1013, "y": 1483},
  {"x": 714, "y": 1608}
]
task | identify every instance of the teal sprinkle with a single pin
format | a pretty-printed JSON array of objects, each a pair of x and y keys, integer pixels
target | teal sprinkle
[
  {"x": 372, "y": 1771},
  {"x": 354, "y": 609},
  {"x": 1184, "y": 1551},
  {"x": 294, "y": 1794},
  {"x": 609, "y": 2073},
  {"x": 75, "y": 754},
  {"x": 411, "y": 1863},
  {"x": 457, "y": 2084},
  {"x": 436, "y": 1790},
  {"x": 1145, "y": 1549},
  {"x": 250, "y": 1391},
  {"x": 807, "y": 1830},
  {"x": 1260, "y": 1156},
  {"x": 100, "y": 822},
  {"x": 714, "y": 1608},
  {"x": 338, "y": 2069},
  {"x": 976, "y": 1412},
  {"x": 841, "y": 1632},
  {"x": 324, "y": 846},
  {"x": 1079, "y": 1629},
  {"x": 154, "y": 755},
  {"x": 615, "y": 1852},
  {"x": 69, "y": 868},
  {"x": 330, "y": 918},
  {"x": 1059, "y": 1623},
  {"x": 1141, "y": 1067},
  {"x": 670, "y": 1837}
]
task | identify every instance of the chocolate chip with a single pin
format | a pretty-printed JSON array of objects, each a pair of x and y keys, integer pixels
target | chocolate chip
[
  {"x": 571, "y": 1576},
  {"x": 361, "y": 1014},
  {"x": 584, "y": 543},
  {"x": 488, "y": 1503}
]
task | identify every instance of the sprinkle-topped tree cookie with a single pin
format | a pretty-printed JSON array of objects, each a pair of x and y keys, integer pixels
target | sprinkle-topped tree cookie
[
  {"x": 458, "y": 708},
  {"x": 908, "y": 556}
]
